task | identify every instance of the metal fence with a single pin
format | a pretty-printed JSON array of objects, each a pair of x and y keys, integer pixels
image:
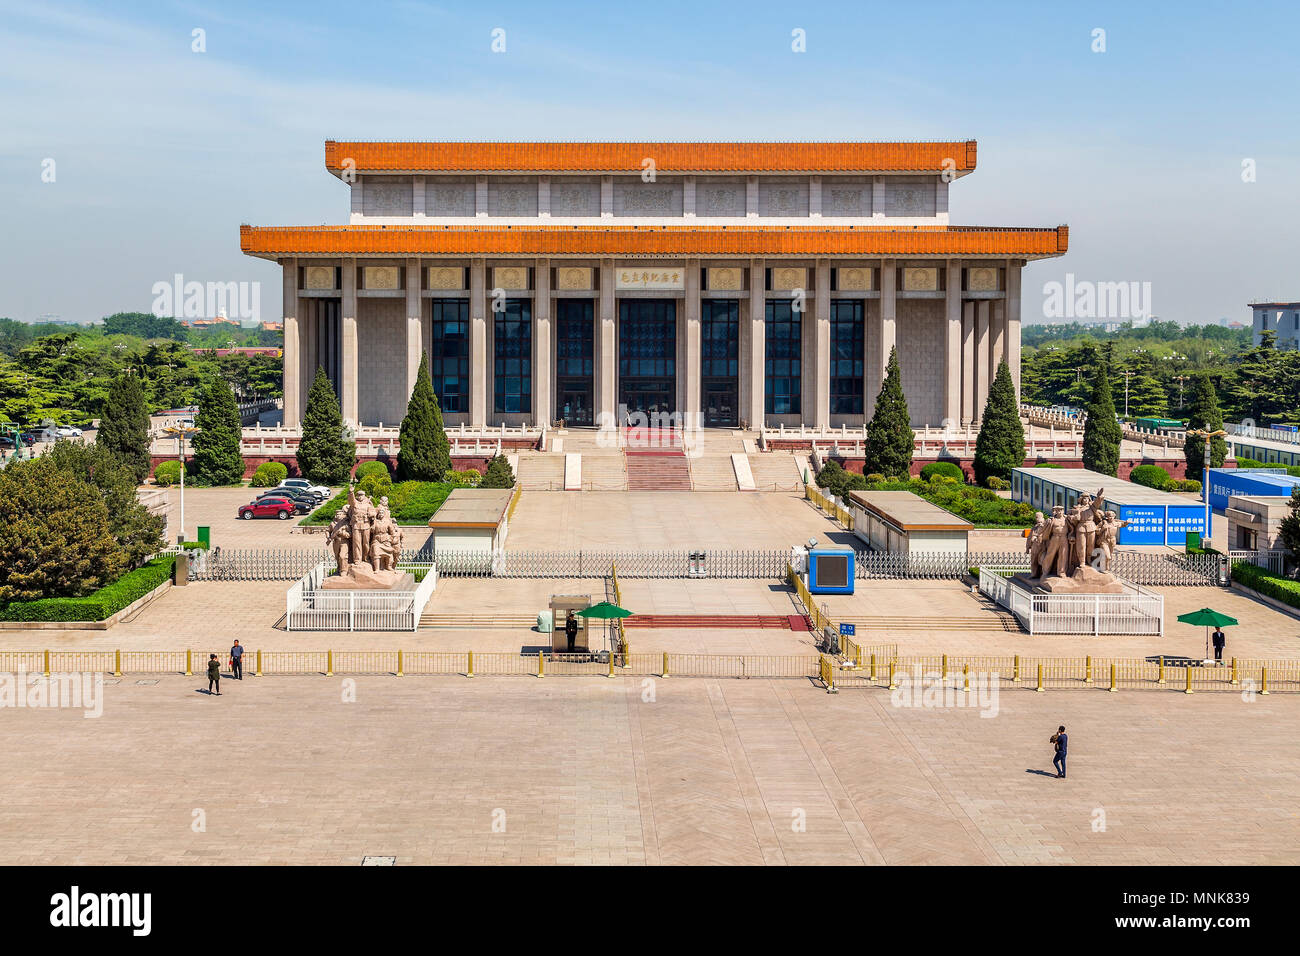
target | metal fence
[
  {"x": 1135, "y": 611},
  {"x": 309, "y": 607},
  {"x": 268, "y": 564}
]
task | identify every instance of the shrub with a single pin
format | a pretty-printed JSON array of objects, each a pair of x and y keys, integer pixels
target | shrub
[
  {"x": 875, "y": 478},
  {"x": 368, "y": 468},
  {"x": 945, "y": 468},
  {"x": 1047, "y": 464},
  {"x": 1271, "y": 585},
  {"x": 499, "y": 474},
  {"x": 1153, "y": 476},
  {"x": 1187, "y": 484},
  {"x": 167, "y": 473},
  {"x": 97, "y": 605},
  {"x": 1249, "y": 463},
  {"x": 468, "y": 478},
  {"x": 269, "y": 474},
  {"x": 996, "y": 484},
  {"x": 425, "y": 498},
  {"x": 376, "y": 486},
  {"x": 831, "y": 475}
]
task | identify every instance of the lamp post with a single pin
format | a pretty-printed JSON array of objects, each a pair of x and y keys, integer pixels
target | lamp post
[
  {"x": 1205, "y": 475},
  {"x": 181, "y": 433}
]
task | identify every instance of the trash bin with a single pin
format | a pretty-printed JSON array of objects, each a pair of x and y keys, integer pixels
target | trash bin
[
  {"x": 181, "y": 570},
  {"x": 544, "y": 621},
  {"x": 205, "y": 537}
]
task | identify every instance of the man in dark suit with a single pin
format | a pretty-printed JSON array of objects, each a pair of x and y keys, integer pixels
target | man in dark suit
[
  {"x": 571, "y": 630},
  {"x": 1062, "y": 741}
]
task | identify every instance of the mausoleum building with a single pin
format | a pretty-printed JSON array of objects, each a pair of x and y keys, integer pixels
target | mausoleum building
[{"x": 731, "y": 284}]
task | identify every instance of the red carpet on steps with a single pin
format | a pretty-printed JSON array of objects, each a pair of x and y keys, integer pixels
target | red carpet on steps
[{"x": 789, "y": 622}]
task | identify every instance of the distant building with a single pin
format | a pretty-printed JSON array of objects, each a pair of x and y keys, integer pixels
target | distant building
[{"x": 1282, "y": 318}]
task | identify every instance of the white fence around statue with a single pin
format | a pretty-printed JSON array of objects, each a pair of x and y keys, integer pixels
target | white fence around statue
[
  {"x": 1136, "y": 611},
  {"x": 309, "y": 607}
]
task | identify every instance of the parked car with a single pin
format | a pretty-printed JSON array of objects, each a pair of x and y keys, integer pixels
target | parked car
[
  {"x": 311, "y": 502},
  {"x": 272, "y": 507},
  {"x": 68, "y": 431},
  {"x": 302, "y": 484}
]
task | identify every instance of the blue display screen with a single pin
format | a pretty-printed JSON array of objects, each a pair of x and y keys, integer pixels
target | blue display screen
[{"x": 1146, "y": 524}]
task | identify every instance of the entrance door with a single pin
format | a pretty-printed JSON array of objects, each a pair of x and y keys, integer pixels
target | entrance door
[
  {"x": 647, "y": 355},
  {"x": 574, "y": 334},
  {"x": 720, "y": 405},
  {"x": 574, "y": 405}
]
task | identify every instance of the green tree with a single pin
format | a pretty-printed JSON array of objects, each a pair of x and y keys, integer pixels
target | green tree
[
  {"x": 217, "y": 460},
  {"x": 424, "y": 453},
  {"x": 1289, "y": 529},
  {"x": 137, "y": 530},
  {"x": 890, "y": 436},
  {"x": 124, "y": 425},
  {"x": 1001, "y": 442},
  {"x": 1101, "y": 432},
  {"x": 498, "y": 474},
  {"x": 55, "y": 539},
  {"x": 1203, "y": 415},
  {"x": 324, "y": 454}
]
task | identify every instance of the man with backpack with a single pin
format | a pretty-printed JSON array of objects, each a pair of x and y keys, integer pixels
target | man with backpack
[{"x": 1061, "y": 740}]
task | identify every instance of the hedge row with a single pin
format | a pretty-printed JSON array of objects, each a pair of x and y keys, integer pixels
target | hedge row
[
  {"x": 1270, "y": 585},
  {"x": 98, "y": 605}
]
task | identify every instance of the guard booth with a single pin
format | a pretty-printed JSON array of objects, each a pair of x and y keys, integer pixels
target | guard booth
[{"x": 561, "y": 605}]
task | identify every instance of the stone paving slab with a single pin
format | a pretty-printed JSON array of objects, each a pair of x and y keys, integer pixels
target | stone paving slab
[{"x": 631, "y": 771}]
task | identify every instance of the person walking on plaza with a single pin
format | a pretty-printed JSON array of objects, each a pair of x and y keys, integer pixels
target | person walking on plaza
[
  {"x": 1219, "y": 640},
  {"x": 214, "y": 674},
  {"x": 237, "y": 662},
  {"x": 1061, "y": 741},
  {"x": 571, "y": 630}
]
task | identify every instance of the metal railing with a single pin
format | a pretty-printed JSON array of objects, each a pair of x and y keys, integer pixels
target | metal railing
[
  {"x": 310, "y": 607},
  {"x": 1272, "y": 561},
  {"x": 1135, "y": 611}
]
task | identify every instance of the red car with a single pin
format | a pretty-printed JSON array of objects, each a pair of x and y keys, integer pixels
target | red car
[{"x": 268, "y": 507}]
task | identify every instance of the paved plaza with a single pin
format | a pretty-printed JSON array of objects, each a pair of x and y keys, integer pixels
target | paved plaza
[{"x": 591, "y": 771}]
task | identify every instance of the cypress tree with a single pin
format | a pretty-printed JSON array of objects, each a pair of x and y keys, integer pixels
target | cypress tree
[
  {"x": 1101, "y": 433},
  {"x": 1001, "y": 443},
  {"x": 890, "y": 436},
  {"x": 324, "y": 454},
  {"x": 1203, "y": 413},
  {"x": 124, "y": 425},
  {"x": 498, "y": 474},
  {"x": 425, "y": 453},
  {"x": 217, "y": 460}
]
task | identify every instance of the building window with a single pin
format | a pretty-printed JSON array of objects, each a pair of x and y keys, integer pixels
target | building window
[
  {"x": 846, "y": 357},
  {"x": 720, "y": 338},
  {"x": 512, "y": 345},
  {"x": 783, "y": 374},
  {"x": 449, "y": 358},
  {"x": 574, "y": 338}
]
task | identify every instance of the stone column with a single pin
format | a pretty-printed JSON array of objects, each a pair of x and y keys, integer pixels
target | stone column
[
  {"x": 952, "y": 344},
  {"x": 414, "y": 323},
  {"x": 982, "y": 373},
  {"x": 691, "y": 327},
  {"x": 543, "y": 345},
  {"x": 997, "y": 337},
  {"x": 817, "y": 405},
  {"x": 606, "y": 357},
  {"x": 969, "y": 405},
  {"x": 886, "y": 329},
  {"x": 349, "y": 386},
  {"x": 292, "y": 416},
  {"x": 1011, "y": 351},
  {"x": 478, "y": 354},
  {"x": 753, "y": 348}
]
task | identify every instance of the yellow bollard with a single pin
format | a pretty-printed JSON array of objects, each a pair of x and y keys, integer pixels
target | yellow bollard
[
  {"x": 1039, "y": 688},
  {"x": 47, "y": 663},
  {"x": 469, "y": 667},
  {"x": 329, "y": 663},
  {"x": 665, "y": 668},
  {"x": 189, "y": 663},
  {"x": 399, "y": 664},
  {"x": 873, "y": 667},
  {"x": 1087, "y": 674},
  {"x": 892, "y": 684},
  {"x": 117, "y": 663},
  {"x": 611, "y": 664},
  {"x": 857, "y": 658},
  {"x": 1114, "y": 688},
  {"x": 1015, "y": 673},
  {"x": 965, "y": 673},
  {"x": 1188, "y": 690},
  {"x": 1263, "y": 679},
  {"x": 258, "y": 672},
  {"x": 541, "y": 665},
  {"x": 1161, "y": 679},
  {"x": 943, "y": 670},
  {"x": 1234, "y": 672}
]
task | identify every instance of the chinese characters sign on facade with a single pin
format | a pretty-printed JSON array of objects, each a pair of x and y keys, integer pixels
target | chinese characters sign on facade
[{"x": 650, "y": 277}]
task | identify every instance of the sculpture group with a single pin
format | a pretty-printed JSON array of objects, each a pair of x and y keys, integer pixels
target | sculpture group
[
  {"x": 1074, "y": 550},
  {"x": 366, "y": 542}
]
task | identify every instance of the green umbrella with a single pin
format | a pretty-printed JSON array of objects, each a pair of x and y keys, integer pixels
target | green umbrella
[
  {"x": 1207, "y": 617},
  {"x": 605, "y": 611}
]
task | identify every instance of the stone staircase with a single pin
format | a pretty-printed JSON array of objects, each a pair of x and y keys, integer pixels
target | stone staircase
[
  {"x": 775, "y": 471},
  {"x": 494, "y": 619},
  {"x": 712, "y": 472},
  {"x": 999, "y": 621},
  {"x": 604, "y": 470},
  {"x": 658, "y": 472},
  {"x": 540, "y": 471}
]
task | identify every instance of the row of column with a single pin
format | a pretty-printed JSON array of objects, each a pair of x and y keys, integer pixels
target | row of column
[{"x": 977, "y": 335}]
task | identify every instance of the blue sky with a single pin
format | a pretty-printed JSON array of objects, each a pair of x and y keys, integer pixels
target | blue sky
[{"x": 160, "y": 153}]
